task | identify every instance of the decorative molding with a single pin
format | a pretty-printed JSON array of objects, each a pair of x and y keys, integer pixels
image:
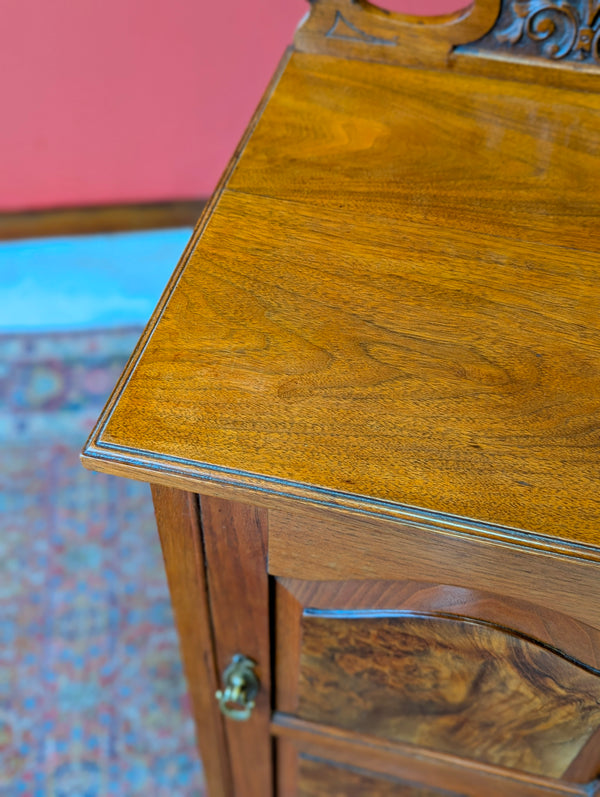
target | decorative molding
[
  {"x": 361, "y": 29},
  {"x": 187, "y": 474},
  {"x": 346, "y": 31},
  {"x": 556, "y": 30},
  {"x": 560, "y": 33}
]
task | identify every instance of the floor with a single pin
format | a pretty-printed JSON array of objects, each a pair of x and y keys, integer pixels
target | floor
[{"x": 92, "y": 697}]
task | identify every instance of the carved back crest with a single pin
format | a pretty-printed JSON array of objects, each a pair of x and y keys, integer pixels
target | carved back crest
[
  {"x": 559, "y": 30},
  {"x": 563, "y": 33}
]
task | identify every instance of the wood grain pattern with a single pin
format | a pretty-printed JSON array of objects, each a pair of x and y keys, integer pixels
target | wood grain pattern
[
  {"x": 458, "y": 687},
  {"x": 317, "y": 778},
  {"x": 177, "y": 517},
  {"x": 496, "y": 35},
  {"x": 565, "y": 32},
  {"x": 359, "y": 29},
  {"x": 432, "y": 150},
  {"x": 319, "y": 546},
  {"x": 288, "y": 630},
  {"x": 585, "y": 766},
  {"x": 419, "y": 765},
  {"x": 362, "y": 345},
  {"x": 235, "y": 544},
  {"x": 286, "y": 768},
  {"x": 576, "y": 639},
  {"x": 386, "y": 330}
]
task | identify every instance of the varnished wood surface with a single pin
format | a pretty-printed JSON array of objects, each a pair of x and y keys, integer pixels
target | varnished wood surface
[
  {"x": 319, "y": 546},
  {"x": 385, "y": 332},
  {"x": 287, "y": 768},
  {"x": 235, "y": 542},
  {"x": 426, "y": 334},
  {"x": 288, "y": 637},
  {"x": 543, "y": 623},
  {"x": 452, "y": 152},
  {"x": 560, "y": 632},
  {"x": 359, "y": 29},
  {"x": 419, "y": 765},
  {"x": 537, "y": 41},
  {"x": 541, "y": 30},
  {"x": 317, "y": 778},
  {"x": 177, "y": 517},
  {"x": 109, "y": 218},
  {"x": 458, "y": 687}
]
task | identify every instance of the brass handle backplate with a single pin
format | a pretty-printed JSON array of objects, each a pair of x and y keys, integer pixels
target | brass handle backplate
[{"x": 241, "y": 683}]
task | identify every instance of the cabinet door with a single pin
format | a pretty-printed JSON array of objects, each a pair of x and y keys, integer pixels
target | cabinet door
[
  {"x": 419, "y": 682},
  {"x": 429, "y": 681},
  {"x": 317, "y": 777}
]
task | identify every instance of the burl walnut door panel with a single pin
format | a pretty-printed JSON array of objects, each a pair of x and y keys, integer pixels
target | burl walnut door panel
[
  {"x": 398, "y": 662},
  {"x": 410, "y": 645},
  {"x": 455, "y": 686}
]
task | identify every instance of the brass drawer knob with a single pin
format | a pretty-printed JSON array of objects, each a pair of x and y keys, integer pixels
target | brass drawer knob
[{"x": 237, "y": 699}]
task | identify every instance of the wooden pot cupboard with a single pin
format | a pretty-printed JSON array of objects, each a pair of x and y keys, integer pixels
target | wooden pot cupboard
[{"x": 368, "y": 404}]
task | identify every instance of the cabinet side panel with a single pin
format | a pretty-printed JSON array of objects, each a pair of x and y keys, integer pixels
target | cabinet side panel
[{"x": 180, "y": 536}]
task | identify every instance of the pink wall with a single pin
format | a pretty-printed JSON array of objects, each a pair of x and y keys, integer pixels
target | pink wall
[{"x": 134, "y": 100}]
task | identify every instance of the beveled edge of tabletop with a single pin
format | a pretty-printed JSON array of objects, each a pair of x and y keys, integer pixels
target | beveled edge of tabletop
[{"x": 269, "y": 491}]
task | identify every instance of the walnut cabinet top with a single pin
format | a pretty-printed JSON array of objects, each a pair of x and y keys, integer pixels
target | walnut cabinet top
[{"x": 392, "y": 304}]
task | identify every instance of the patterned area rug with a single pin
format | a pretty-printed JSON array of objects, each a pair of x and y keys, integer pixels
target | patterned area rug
[{"x": 92, "y": 697}]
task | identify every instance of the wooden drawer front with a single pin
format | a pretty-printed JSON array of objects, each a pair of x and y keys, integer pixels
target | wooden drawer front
[
  {"x": 317, "y": 778},
  {"x": 455, "y": 686}
]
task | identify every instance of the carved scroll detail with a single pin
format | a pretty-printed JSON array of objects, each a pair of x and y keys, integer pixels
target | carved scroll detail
[
  {"x": 554, "y": 29},
  {"x": 564, "y": 32}
]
